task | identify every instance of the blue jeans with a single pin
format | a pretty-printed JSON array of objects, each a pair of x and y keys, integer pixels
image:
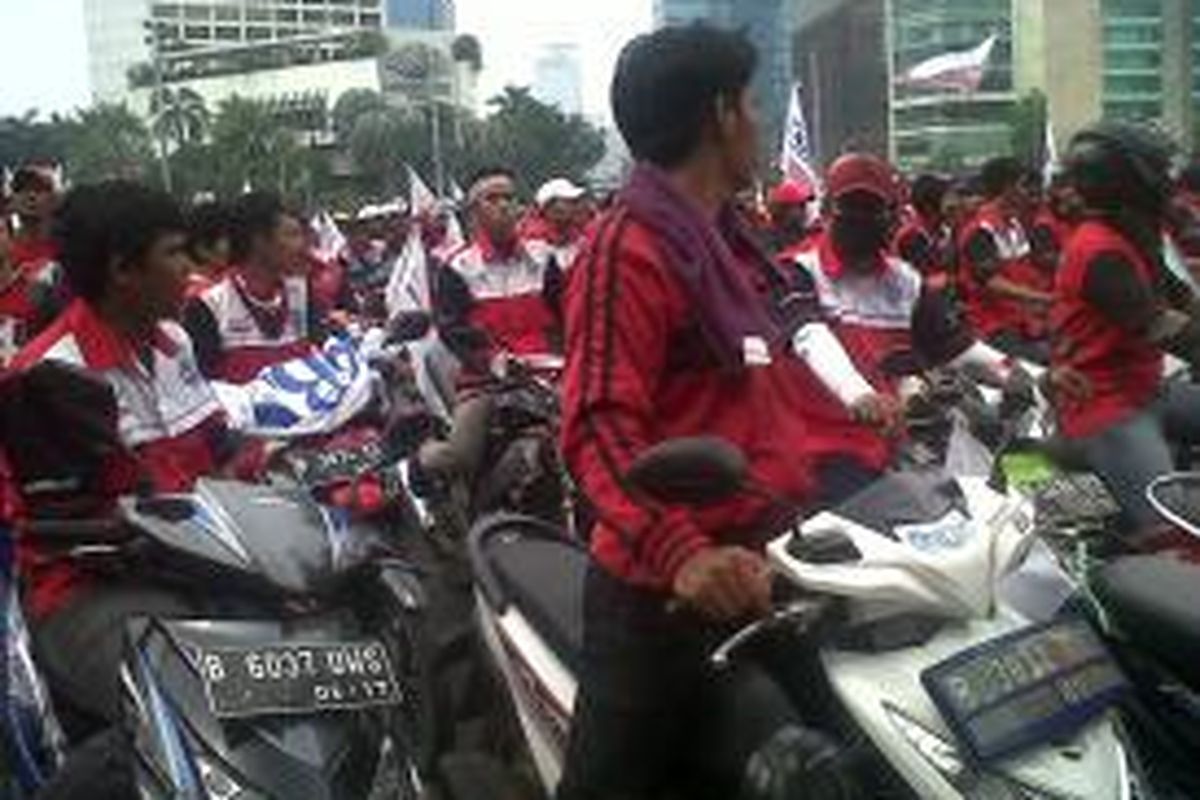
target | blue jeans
[{"x": 1135, "y": 451}]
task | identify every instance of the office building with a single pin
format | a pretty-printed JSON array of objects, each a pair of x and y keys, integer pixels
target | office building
[
  {"x": 768, "y": 23},
  {"x": 558, "y": 78},
  {"x": 433, "y": 15}
]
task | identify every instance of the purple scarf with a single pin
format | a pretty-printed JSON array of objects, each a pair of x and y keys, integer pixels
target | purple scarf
[{"x": 700, "y": 254}]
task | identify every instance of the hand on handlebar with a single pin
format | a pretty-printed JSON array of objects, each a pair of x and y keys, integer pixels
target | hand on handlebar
[
  {"x": 725, "y": 583},
  {"x": 1064, "y": 385},
  {"x": 881, "y": 412}
]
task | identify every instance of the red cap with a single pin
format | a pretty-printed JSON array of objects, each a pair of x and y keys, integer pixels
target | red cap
[
  {"x": 862, "y": 172},
  {"x": 792, "y": 193}
]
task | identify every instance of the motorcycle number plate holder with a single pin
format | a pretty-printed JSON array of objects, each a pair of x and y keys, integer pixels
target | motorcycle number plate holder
[
  {"x": 288, "y": 678},
  {"x": 1038, "y": 684}
]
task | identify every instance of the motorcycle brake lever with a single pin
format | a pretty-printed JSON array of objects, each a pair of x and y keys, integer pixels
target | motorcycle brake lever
[{"x": 795, "y": 613}]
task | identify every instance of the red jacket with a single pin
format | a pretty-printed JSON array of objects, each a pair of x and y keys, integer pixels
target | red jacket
[
  {"x": 19, "y": 313},
  {"x": 233, "y": 342},
  {"x": 33, "y": 250},
  {"x": 168, "y": 419},
  {"x": 638, "y": 373},
  {"x": 507, "y": 296},
  {"x": 1125, "y": 370},
  {"x": 989, "y": 313}
]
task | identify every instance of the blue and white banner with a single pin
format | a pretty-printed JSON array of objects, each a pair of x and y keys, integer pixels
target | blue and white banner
[{"x": 306, "y": 396}]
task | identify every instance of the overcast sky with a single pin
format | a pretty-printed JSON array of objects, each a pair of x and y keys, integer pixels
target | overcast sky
[{"x": 43, "y": 53}]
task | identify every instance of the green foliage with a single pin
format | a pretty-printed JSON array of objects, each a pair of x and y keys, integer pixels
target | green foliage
[
  {"x": 179, "y": 116},
  {"x": 108, "y": 141}
]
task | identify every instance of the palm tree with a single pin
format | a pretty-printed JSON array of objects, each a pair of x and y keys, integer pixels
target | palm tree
[
  {"x": 179, "y": 116},
  {"x": 252, "y": 146}
]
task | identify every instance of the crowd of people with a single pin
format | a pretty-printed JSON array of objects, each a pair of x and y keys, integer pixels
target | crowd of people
[{"x": 685, "y": 304}]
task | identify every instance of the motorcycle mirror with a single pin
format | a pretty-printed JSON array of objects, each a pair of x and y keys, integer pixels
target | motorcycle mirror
[
  {"x": 901, "y": 364},
  {"x": 690, "y": 472},
  {"x": 409, "y": 326}
]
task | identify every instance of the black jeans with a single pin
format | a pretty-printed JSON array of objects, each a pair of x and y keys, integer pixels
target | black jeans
[{"x": 653, "y": 720}]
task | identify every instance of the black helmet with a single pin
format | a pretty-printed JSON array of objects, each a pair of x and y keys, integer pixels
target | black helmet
[{"x": 1118, "y": 166}]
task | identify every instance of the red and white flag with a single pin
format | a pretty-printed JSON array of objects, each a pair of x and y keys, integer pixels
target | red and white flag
[
  {"x": 422, "y": 200},
  {"x": 961, "y": 70}
]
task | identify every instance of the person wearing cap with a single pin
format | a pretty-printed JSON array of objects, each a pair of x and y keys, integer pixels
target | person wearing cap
[
  {"x": 556, "y": 225},
  {"x": 1007, "y": 295},
  {"x": 35, "y": 193},
  {"x": 497, "y": 284},
  {"x": 880, "y": 308},
  {"x": 789, "y": 206},
  {"x": 262, "y": 312}
]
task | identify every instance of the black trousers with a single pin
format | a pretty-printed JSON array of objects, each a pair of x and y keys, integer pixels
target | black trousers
[{"x": 653, "y": 720}]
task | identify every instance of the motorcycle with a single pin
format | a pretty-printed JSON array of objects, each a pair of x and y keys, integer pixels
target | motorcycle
[
  {"x": 898, "y": 594},
  {"x": 308, "y": 675}
]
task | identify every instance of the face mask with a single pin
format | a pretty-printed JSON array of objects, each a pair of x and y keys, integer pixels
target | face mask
[{"x": 860, "y": 237}]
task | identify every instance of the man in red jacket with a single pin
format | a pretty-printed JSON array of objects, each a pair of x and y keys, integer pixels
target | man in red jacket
[
  {"x": 35, "y": 189},
  {"x": 123, "y": 249},
  {"x": 667, "y": 337},
  {"x": 262, "y": 312}
]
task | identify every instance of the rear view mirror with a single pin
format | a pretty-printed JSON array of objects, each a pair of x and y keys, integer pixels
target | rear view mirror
[
  {"x": 691, "y": 472},
  {"x": 409, "y": 326}
]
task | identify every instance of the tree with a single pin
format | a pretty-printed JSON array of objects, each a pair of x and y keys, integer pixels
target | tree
[
  {"x": 252, "y": 148},
  {"x": 379, "y": 143},
  {"x": 108, "y": 141},
  {"x": 179, "y": 116},
  {"x": 29, "y": 138},
  {"x": 536, "y": 140},
  {"x": 352, "y": 105}
]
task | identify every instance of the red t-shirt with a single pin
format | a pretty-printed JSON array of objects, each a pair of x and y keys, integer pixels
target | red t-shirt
[
  {"x": 639, "y": 372},
  {"x": 33, "y": 250},
  {"x": 168, "y": 420},
  {"x": 988, "y": 312},
  {"x": 1125, "y": 369},
  {"x": 18, "y": 315}
]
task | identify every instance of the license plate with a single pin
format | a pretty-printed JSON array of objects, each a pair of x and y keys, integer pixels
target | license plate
[
  {"x": 1022, "y": 690},
  {"x": 297, "y": 678}
]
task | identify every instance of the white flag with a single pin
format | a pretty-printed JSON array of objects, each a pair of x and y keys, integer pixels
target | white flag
[
  {"x": 1051, "y": 165},
  {"x": 457, "y": 195},
  {"x": 796, "y": 158},
  {"x": 408, "y": 286},
  {"x": 330, "y": 241},
  {"x": 455, "y": 239},
  {"x": 422, "y": 200},
  {"x": 961, "y": 70}
]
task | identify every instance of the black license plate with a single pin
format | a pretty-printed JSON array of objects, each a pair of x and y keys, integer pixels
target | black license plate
[
  {"x": 285, "y": 678},
  {"x": 1022, "y": 690}
]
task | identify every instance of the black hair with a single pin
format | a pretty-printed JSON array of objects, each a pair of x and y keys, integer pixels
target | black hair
[
  {"x": 208, "y": 223},
  {"x": 1189, "y": 178},
  {"x": 251, "y": 215},
  {"x": 488, "y": 172},
  {"x": 928, "y": 192},
  {"x": 1001, "y": 174},
  {"x": 115, "y": 220},
  {"x": 667, "y": 84},
  {"x": 30, "y": 177}
]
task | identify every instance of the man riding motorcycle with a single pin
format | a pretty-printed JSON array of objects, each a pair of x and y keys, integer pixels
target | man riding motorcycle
[
  {"x": 123, "y": 251},
  {"x": 667, "y": 337},
  {"x": 1118, "y": 309},
  {"x": 262, "y": 311}
]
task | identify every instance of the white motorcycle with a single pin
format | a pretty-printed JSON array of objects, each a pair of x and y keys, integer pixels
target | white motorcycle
[{"x": 935, "y": 629}]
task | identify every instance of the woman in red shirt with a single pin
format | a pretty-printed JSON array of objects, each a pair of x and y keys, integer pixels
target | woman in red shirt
[{"x": 1117, "y": 311}]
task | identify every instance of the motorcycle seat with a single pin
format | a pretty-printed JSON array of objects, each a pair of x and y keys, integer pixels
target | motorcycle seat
[
  {"x": 545, "y": 580},
  {"x": 1153, "y": 600}
]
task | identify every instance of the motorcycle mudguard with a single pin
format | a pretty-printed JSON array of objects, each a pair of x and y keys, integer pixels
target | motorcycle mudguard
[{"x": 184, "y": 750}]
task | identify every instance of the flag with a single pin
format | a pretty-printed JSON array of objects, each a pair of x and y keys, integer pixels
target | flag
[
  {"x": 457, "y": 195},
  {"x": 408, "y": 286},
  {"x": 422, "y": 200},
  {"x": 454, "y": 239},
  {"x": 1050, "y": 166},
  {"x": 330, "y": 241},
  {"x": 796, "y": 158},
  {"x": 961, "y": 70}
]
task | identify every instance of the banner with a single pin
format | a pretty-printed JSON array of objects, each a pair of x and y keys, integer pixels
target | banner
[
  {"x": 330, "y": 241},
  {"x": 961, "y": 70},
  {"x": 306, "y": 396}
]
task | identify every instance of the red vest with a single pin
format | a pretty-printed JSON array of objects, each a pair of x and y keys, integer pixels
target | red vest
[
  {"x": 17, "y": 315},
  {"x": 245, "y": 348},
  {"x": 1125, "y": 370},
  {"x": 988, "y": 313}
]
